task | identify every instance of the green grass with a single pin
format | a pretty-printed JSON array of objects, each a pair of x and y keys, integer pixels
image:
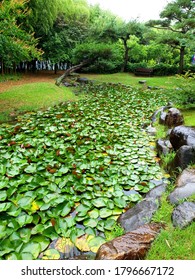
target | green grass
[
  {"x": 189, "y": 116},
  {"x": 32, "y": 97},
  {"x": 172, "y": 243},
  {"x": 131, "y": 79}
]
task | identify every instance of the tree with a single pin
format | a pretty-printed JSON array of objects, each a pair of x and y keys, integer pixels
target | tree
[
  {"x": 41, "y": 16},
  {"x": 106, "y": 27},
  {"x": 15, "y": 44},
  {"x": 178, "y": 18},
  {"x": 123, "y": 32},
  {"x": 69, "y": 28},
  {"x": 85, "y": 54}
]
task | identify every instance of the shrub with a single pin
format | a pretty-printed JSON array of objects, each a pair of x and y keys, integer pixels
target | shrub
[
  {"x": 131, "y": 67},
  {"x": 106, "y": 58},
  {"x": 189, "y": 68},
  {"x": 163, "y": 69}
]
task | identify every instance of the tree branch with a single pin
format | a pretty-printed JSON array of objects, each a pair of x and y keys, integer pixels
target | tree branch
[{"x": 72, "y": 69}]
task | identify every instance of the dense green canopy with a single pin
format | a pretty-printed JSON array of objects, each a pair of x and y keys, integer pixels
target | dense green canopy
[{"x": 58, "y": 29}]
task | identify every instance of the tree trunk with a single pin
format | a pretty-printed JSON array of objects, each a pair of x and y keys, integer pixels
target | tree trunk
[
  {"x": 181, "y": 61},
  {"x": 126, "y": 54},
  {"x": 72, "y": 69},
  {"x": 2, "y": 68},
  {"x": 56, "y": 68}
]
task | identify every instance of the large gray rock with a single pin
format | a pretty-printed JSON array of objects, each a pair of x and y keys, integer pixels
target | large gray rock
[
  {"x": 174, "y": 118},
  {"x": 156, "y": 192},
  {"x": 151, "y": 130},
  {"x": 182, "y": 192},
  {"x": 83, "y": 80},
  {"x": 182, "y": 135},
  {"x": 187, "y": 176},
  {"x": 163, "y": 146},
  {"x": 183, "y": 214},
  {"x": 162, "y": 117},
  {"x": 184, "y": 157},
  {"x": 131, "y": 246},
  {"x": 139, "y": 215},
  {"x": 143, "y": 211}
]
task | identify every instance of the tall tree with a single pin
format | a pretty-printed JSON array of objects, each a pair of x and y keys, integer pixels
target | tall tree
[
  {"x": 125, "y": 31},
  {"x": 69, "y": 29},
  {"x": 15, "y": 44},
  {"x": 178, "y": 18},
  {"x": 41, "y": 16}
]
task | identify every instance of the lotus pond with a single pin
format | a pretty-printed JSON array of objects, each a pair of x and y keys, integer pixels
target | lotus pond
[{"x": 67, "y": 173}]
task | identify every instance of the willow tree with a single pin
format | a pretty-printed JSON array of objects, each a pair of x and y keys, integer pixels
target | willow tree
[{"x": 178, "y": 18}]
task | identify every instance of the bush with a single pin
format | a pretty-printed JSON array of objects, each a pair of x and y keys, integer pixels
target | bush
[
  {"x": 131, "y": 67},
  {"x": 159, "y": 69},
  {"x": 189, "y": 68},
  {"x": 102, "y": 66},
  {"x": 163, "y": 69},
  {"x": 106, "y": 58}
]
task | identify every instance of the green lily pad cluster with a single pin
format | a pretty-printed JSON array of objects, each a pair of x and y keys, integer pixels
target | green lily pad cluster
[{"x": 70, "y": 171}]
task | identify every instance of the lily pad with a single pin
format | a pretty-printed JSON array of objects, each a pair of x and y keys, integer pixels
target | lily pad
[
  {"x": 90, "y": 223},
  {"x": 51, "y": 254},
  {"x": 95, "y": 243},
  {"x": 105, "y": 212}
]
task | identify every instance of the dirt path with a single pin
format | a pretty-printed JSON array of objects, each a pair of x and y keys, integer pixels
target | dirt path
[{"x": 48, "y": 77}]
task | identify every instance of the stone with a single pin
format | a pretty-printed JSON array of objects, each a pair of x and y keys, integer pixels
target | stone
[
  {"x": 183, "y": 214},
  {"x": 139, "y": 215},
  {"x": 163, "y": 146},
  {"x": 184, "y": 156},
  {"x": 156, "y": 113},
  {"x": 132, "y": 246},
  {"x": 182, "y": 135},
  {"x": 83, "y": 80},
  {"x": 182, "y": 192},
  {"x": 66, "y": 84},
  {"x": 187, "y": 176},
  {"x": 151, "y": 130},
  {"x": 174, "y": 118},
  {"x": 156, "y": 192},
  {"x": 162, "y": 117},
  {"x": 142, "y": 82}
]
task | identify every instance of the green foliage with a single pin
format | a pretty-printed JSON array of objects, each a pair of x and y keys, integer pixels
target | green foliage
[
  {"x": 91, "y": 51},
  {"x": 178, "y": 19},
  {"x": 131, "y": 67},
  {"x": 15, "y": 44},
  {"x": 163, "y": 69},
  {"x": 172, "y": 243},
  {"x": 110, "y": 64},
  {"x": 105, "y": 58},
  {"x": 167, "y": 159},
  {"x": 117, "y": 231},
  {"x": 42, "y": 15},
  {"x": 185, "y": 83},
  {"x": 10, "y": 77}
]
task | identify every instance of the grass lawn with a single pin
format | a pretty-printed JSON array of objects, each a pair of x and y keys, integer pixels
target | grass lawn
[
  {"x": 189, "y": 116},
  {"x": 32, "y": 96},
  {"x": 131, "y": 79}
]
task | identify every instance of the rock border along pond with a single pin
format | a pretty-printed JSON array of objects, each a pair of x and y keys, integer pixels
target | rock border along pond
[{"x": 140, "y": 232}]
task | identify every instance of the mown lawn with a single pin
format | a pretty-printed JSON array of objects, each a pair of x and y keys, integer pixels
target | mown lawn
[
  {"x": 131, "y": 79},
  {"x": 32, "y": 97}
]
